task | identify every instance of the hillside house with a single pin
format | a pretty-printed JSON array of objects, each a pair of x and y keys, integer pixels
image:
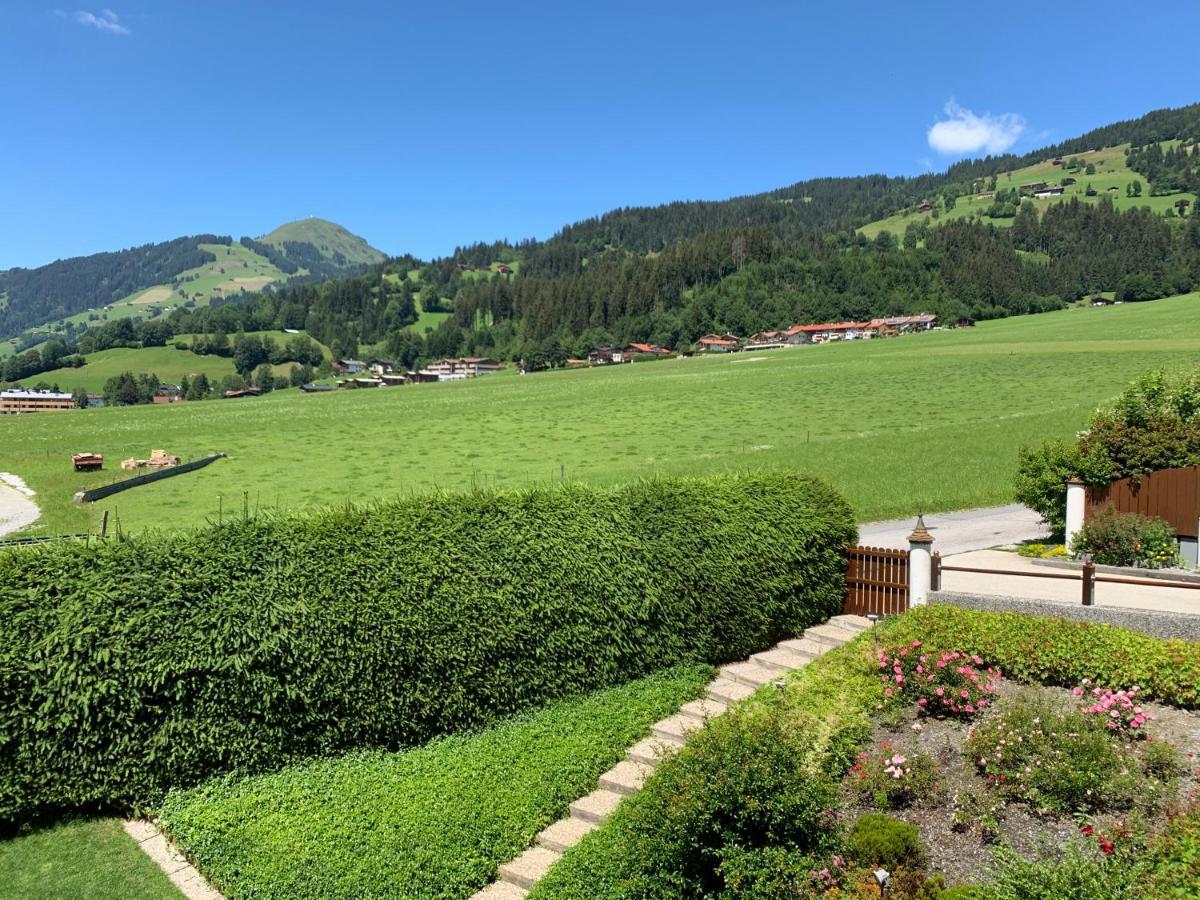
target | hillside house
[
  {"x": 349, "y": 366},
  {"x": 644, "y": 351},
  {"x": 243, "y": 392},
  {"x": 458, "y": 369},
  {"x": 16, "y": 401},
  {"x": 503, "y": 269},
  {"x": 381, "y": 366},
  {"x": 765, "y": 340},
  {"x": 924, "y": 206},
  {"x": 796, "y": 335},
  {"x": 1066, "y": 182},
  {"x": 604, "y": 356},
  {"x": 825, "y": 332},
  {"x": 1049, "y": 192},
  {"x": 718, "y": 343},
  {"x": 316, "y": 388},
  {"x": 1033, "y": 187},
  {"x": 908, "y": 324}
]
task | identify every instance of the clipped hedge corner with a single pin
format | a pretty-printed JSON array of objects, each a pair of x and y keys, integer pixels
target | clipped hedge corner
[{"x": 130, "y": 667}]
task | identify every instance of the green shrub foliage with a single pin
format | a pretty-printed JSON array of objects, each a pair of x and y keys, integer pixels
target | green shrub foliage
[
  {"x": 129, "y": 667},
  {"x": 1127, "y": 539},
  {"x": 876, "y": 839}
]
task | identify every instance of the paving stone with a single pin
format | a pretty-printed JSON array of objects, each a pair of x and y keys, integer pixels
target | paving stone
[
  {"x": 139, "y": 829},
  {"x": 703, "y": 709},
  {"x": 193, "y": 886},
  {"x": 750, "y": 673},
  {"x": 651, "y": 751},
  {"x": 565, "y": 833},
  {"x": 829, "y": 634},
  {"x": 528, "y": 867},
  {"x": 596, "y": 806},
  {"x": 805, "y": 645},
  {"x": 675, "y": 729},
  {"x": 163, "y": 854},
  {"x": 726, "y": 690},
  {"x": 782, "y": 659},
  {"x": 626, "y": 777},
  {"x": 500, "y": 890}
]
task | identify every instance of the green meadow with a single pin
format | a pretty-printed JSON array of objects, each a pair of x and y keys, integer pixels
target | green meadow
[
  {"x": 921, "y": 422},
  {"x": 1111, "y": 172}
]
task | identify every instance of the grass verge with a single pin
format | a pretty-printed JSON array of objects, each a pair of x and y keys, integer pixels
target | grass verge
[{"x": 431, "y": 822}]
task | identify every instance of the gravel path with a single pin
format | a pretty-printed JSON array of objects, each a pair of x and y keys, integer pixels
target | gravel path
[{"x": 17, "y": 509}]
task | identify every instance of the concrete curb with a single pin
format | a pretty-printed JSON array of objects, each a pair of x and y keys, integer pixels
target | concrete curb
[
  {"x": 734, "y": 682},
  {"x": 174, "y": 864},
  {"x": 1176, "y": 575}
]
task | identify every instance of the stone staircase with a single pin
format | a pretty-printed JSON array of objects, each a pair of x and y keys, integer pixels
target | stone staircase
[{"x": 734, "y": 682}]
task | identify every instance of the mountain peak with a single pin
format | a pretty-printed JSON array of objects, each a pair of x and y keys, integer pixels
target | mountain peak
[{"x": 329, "y": 237}]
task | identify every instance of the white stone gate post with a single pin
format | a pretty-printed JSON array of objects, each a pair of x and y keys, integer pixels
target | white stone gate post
[{"x": 920, "y": 564}]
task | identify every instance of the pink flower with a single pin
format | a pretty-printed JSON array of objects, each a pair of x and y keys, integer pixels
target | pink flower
[
  {"x": 1078, "y": 692},
  {"x": 939, "y": 692},
  {"x": 887, "y": 692}
]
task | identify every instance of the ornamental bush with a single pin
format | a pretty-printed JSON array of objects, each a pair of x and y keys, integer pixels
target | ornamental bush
[
  {"x": 127, "y": 667},
  {"x": 1114, "y": 538},
  {"x": 943, "y": 682}
]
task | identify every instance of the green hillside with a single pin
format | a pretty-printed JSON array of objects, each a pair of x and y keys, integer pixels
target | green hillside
[
  {"x": 1111, "y": 179},
  {"x": 169, "y": 364},
  {"x": 836, "y": 410},
  {"x": 329, "y": 237}
]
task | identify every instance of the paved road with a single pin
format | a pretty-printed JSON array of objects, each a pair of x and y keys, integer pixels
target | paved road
[{"x": 959, "y": 532}]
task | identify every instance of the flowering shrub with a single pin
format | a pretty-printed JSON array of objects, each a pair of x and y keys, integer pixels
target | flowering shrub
[
  {"x": 1127, "y": 539},
  {"x": 1058, "y": 760},
  {"x": 891, "y": 778},
  {"x": 947, "y": 683},
  {"x": 1119, "y": 710}
]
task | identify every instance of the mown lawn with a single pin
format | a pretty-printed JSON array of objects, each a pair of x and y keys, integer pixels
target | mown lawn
[
  {"x": 436, "y": 821},
  {"x": 928, "y": 422},
  {"x": 89, "y": 860}
]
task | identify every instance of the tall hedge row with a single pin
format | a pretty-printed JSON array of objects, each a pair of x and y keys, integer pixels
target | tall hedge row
[{"x": 129, "y": 667}]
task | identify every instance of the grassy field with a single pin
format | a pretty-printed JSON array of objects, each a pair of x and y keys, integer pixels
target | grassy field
[
  {"x": 1111, "y": 171},
  {"x": 169, "y": 364},
  {"x": 928, "y": 422},
  {"x": 431, "y": 822},
  {"x": 96, "y": 860}
]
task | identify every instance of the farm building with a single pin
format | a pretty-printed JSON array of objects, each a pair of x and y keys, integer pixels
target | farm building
[
  {"x": 15, "y": 402},
  {"x": 603, "y": 356},
  {"x": 1033, "y": 187},
  {"x": 765, "y": 340},
  {"x": 316, "y": 388},
  {"x": 243, "y": 392},
  {"x": 1067, "y": 181},
  {"x": 718, "y": 343},
  {"x": 644, "y": 351},
  {"x": 1049, "y": 192}
]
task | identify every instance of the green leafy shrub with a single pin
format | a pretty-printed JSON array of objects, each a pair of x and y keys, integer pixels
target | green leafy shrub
[
  {"x": 1174, "y": 859},
  {"x": 1114, "y": 538},
  {"x": 433, "y": 821},
  {"x": 876, "y": 839},
  {"x": 1081, "y": 872},
  {"x": 1059, "y": 651},
  {"x": 943, "y": 682},
  {"x": 1041, "y": 481},
  {"x": 131, "y": 666}
]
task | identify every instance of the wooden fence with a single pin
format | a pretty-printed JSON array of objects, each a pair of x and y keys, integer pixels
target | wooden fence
[
  {"x": 107, "y": 490},
  {"x": 876, "y": 581},
  {"x": 1171, "y": 494}
]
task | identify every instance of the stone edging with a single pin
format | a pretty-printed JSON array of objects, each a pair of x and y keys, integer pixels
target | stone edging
[
  {"x": 734, "y": 682},
  {"x": 1178, "y": 575},
  {"x": 174, "y": 864}
]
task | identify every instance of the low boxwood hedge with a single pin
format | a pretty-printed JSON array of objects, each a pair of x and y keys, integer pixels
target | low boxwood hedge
[{"x": 131, "y": 666}]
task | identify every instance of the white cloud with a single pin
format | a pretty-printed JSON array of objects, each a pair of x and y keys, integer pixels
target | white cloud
[
  {"x": 107, "y": 21},
  {"x": 965, "y": 132}
]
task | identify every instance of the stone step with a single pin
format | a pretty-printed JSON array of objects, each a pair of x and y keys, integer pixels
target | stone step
[
  {"x": 748, "y": 672},
  {"x": 596, "y": 806},
  {"x": 845, "y": 620},
  {"x": 782, "y": 659},
  {"x": 626, "y": 777},
  {"x": 675, "y": 729},
  {"x": 726, "y": 690},
  {"x": 565, "y": 834},
  {"x": 703, "y": 709},
  {"x": 805, "y": 646},
  {"x": 833, "y": 635},
  {"x": 528, "y": 867},
  {"x": 500, "y": 890},
  {"x": 651, "y": 751}
]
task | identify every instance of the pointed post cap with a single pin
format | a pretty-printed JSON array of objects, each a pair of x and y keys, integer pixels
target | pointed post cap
[
  {"x": 920, "y": 534},
  {"x": 1075, "y": 479}
]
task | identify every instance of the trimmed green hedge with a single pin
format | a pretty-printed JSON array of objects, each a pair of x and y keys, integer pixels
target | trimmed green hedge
[
  {"x": 436, "y": 821},
  {"x": 130, "y": 667}
]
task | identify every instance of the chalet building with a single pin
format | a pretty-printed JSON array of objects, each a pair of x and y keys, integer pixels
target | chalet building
[
  {"x": 1067, "y": 181},
  {"x": 924, "y": 206},
  {"x": 458, "y": 369},
  {"x": 644, "y": 351},
  {"x": 1049, "y": 192},
  {"x": 15, "y": 402},
  {"x": 503, "y": 269},
  {"x": 349, "y": 366},
  {"x": 381, "y": 366},
  {"x": 719, "y": 343},
  {"x": 316, "y": 387},
  {"x": 605, "y": 356},
  {"x": 1033, "y": 187},
  {"x": 765, "y": 340},
  {"x": 244, "y": 392}
]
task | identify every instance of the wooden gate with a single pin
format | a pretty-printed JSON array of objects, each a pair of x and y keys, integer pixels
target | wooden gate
[{"x": 876, "y": 581}]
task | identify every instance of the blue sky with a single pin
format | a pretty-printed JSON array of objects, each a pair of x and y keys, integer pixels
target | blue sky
[{"x": 425, "y": 125}]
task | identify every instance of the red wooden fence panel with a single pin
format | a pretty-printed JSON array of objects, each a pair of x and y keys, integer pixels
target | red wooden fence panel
[
  {"x": 1171, "y": 494},
  {"x": 876, "y": 581}
]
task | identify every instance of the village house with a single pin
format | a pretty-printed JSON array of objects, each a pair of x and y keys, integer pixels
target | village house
[
  {"x": 644, "y": 351},
  {"x": 316, "y": 387},
  {"x": 349, "y": 366},
  {"x": 604, "y": 356},
  {"x": 458, "y": 369},
  {"x": 718, "y": 343},
  {"x": 1033, "y": 187},
  {"x": 1049, "y": 192},
  {"x": 381, "y": 366},
  {"x": 765, "y": 340},
  {"x": 15, "y": 402}
]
